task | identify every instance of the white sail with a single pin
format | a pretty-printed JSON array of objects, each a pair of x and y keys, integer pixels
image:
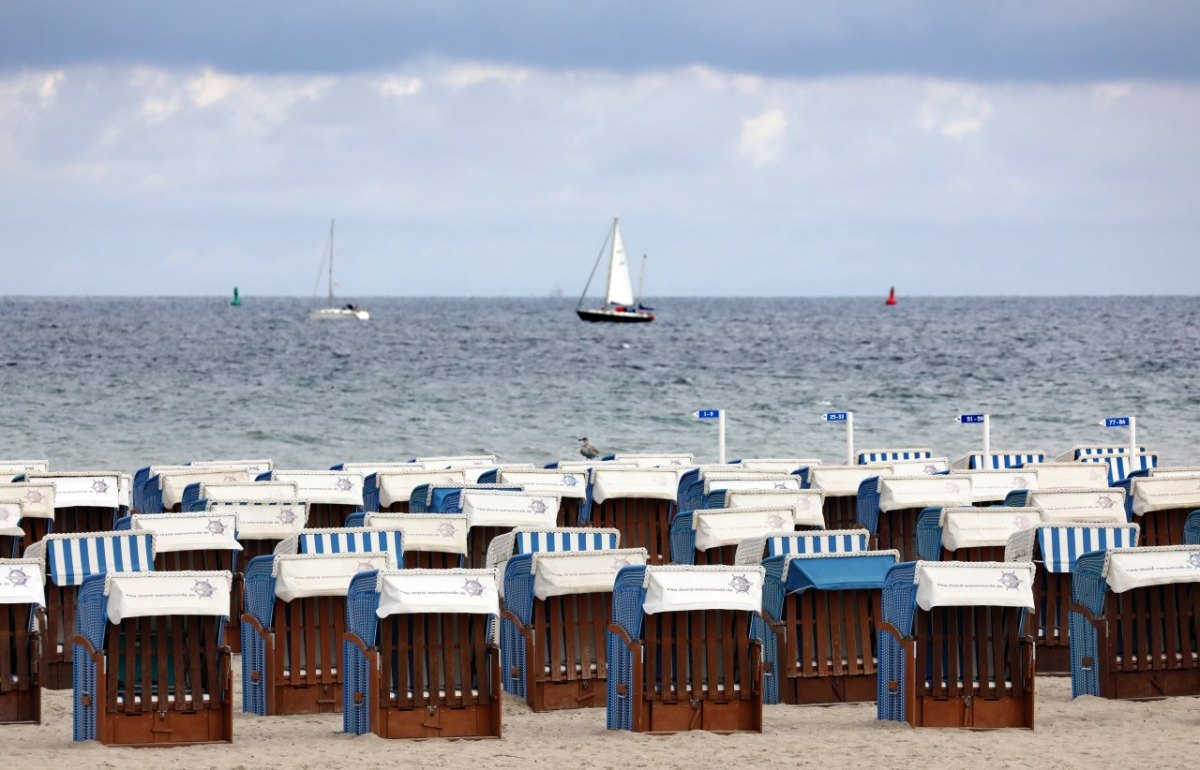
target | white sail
[{"x": 620, "y": 288}]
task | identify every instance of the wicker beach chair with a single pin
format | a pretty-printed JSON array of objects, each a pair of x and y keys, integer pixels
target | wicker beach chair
[
  {"x": 689, "y": 489},
  {"x": 1080, "y": 451},
  {"x": 1054, "y": 548},
  {"x": 954, "y": 647},
  {"x": 889, "y": 506},
  {"x": 1162, "y": 504},
  {"x": 430, "y": 541},
  {"x": 173, "y": 483},
  {"x": 570, "y": 487},
  {"x": 680, "y": 653},
  {"x": 36, "y": 514},
  {"x": 885, "y": 456},
  {"x": 197, "y": 495},
  {"x": 557, "y": 607},
  {"x": 1097, "y": 504},
  {"x": 1122, "y": 466},
  {"x": 995, "y": 487},
  {"x": 447, "y": 498},
  {"x": 491, "y": 513},
  {"x": 636, "y": 502},
  {"x": 839, "y": 484},
  {"x": 331, "y": 495},
  {"x": 820, "y": 613},
  {"x": 295, "y": 617},
  {"x": 69, "y": 560},
  {"x": 421, "y": 655},
  {"x": 712, "y": 536},
  {"x": 718, "y": 485},
  {"x": 22, "y": 597},
  {"x": 151, "y": 668},
  {"x": 1134, "y": 623},
  {"x": 84, "y": 501},
  {"x": 971, "y": 534},
  {"x": 999, "y": 460},
  {"x": 390, "y": 489}
]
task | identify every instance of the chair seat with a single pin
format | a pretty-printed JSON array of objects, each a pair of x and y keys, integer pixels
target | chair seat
[
  {"x": 563, "y": 669},
  {"x": 287, "y": 672},
  {"x": 393, "y": 694},
  {"x": 945, "y": 685},
  {"x": 704, "y": 688},
  {"x": 1161, "y": 657},
  {"x": 137, "y": 699},
  {"x": 830, "y": 664}
]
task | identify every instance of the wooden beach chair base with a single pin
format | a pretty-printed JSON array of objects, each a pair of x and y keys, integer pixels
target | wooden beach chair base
[
  {"x": 166, "y": 728},
  {"x": 1163, "y": 527},
  {"x": 83, "y": 519},
  {"x": 838, "y": 661},
  {"x": 303, "y": 656},
  {"x": 824, "y": 691},
  {"x": 841, "y": 513},
  {"x": 20, "y": 686},
  {"x": 565, "y": 652},
  {"x": 55, "y": 666},
  {"x": 898, "y": 530},
  {"x": 21, "y": 705},
  {"x": 643, "y": 523}
]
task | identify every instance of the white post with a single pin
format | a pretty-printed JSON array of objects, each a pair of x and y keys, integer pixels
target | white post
[
  {"x": 987, "y": 441},
  {"x": 721, "y": 437},
  {"x": 850, "y": 438},
  {"x": 1133, "y": 444}
]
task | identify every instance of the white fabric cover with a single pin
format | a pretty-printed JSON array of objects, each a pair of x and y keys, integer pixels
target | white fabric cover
[
  {"x": 1165, "y": 493},
  {"x": 458, "y": 461},
  {"x": 1059, "y": 505},
  {"x": 17, "y": 467},
  {"x": 969, "y": 584},
  {"x": 250, "y": 466},
  {"x": 323, "y": 574},
  {"x": 778, "y": 464},
  {"x": 806, "y": 503},
  {"x": 396, "y": 486},
  {"x": 994, "y": 485},
  {"x": 570, "y": 484},
  {"x": 419, "y": 591},
  {"x": 974, "y": 527},
  {"x": 250, "y": 492},
  {"x": 556, "y": 573},
  {"x": 1129, "y": 568},
  {"x": 900, "y": 492},
  {"x": 487, "y": 508},
  {"x": 146, "y": 594},
  {"x": 716, "y": 527},
  {"x": 715, "y": 482},
  {"x": 125, "y": 490},
  {"x": 366, "y": 469},
  {"x": 1175, "y": 470},
  {"x": 642, "y": 483},
  {"x": 586, "y": 466},
  {"x": 10, "y": 519},
  {"x": 843, "y": 480},
  {"x": 172, "y": 483},
  {"x": 266, "y": 521},
  {"x": 658, "y": 461},
  {"x": 438, "y": 533},
  {"x": 929, "y": 465},
  {"x": 22, "y": 581},
  {"x": 328, "y": 487},
  {"x": 36, "y": 498},
  {"x": 206, "y": 531},
  {"x": 86, "y": 489},
  {"x": 1061, "y": 475},
  {"x": 677, "y": 588}
]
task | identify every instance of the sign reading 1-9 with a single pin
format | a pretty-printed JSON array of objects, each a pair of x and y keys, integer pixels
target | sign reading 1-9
[
  {"x": 707, "y": 414},
  {"x": 719, "y": 416}
]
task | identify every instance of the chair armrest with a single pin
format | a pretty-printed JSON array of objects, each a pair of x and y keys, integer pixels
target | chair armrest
[
  {"x": 84, "y": 642},
  {"x": 255, "y": 624},
  {"x": 357, "y": 641},
  {"x": 891, "y": 630}
]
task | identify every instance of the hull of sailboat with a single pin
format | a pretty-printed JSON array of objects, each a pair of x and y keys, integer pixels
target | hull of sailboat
[
  {"x": 338, "y": 314},
  {"x": 605, "y": 315}
]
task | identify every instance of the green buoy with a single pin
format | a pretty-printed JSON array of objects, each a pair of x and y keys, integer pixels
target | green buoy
[{"x": 236, "y": 301}]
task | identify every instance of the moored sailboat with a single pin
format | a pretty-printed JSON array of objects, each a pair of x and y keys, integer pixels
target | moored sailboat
[
  {"x": 331, "y": 311},
  {"x": 619, "y": 304}
]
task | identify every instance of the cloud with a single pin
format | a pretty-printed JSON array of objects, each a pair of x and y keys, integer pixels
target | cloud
[
  {"x": 953, "y": 110},
  {"x": 398, "y": 86},
  {"x": 210, "y": 88},
  {"x": 762, "y": 136},
  {"x": 467, "y": 75}
]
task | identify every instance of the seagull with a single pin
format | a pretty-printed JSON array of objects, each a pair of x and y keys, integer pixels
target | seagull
[{"x": 587, "y": 450}]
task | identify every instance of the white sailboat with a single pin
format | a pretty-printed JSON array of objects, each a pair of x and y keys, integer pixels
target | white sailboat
[
  {"x": 619, "y": 303},
  {"x": 331, "y": 311}
]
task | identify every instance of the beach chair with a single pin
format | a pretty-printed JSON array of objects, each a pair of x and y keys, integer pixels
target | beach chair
[
  {"x": 954, "y": 649},
  {"x": 331, "y": 495},
  {"x": 1060, "y": 475},
  {"x": 198, "y": 496},
  {"x": 889, "y": 506},
  {"x": 712, "y": 536},
  {"x": 928, "y": 465},
  {"x": 151, "y": 668},
  {"x": 636, "y": 502},
  {"x": 69, "y": 560},
  {"x": 689, "y": 489},
  {"x": 1053, "y": 548},
  {"x": 1080, "y": 451},
  {"x": 777, "y": 464},
  {"x": 36, "y": 515},
  {"x": 680, "y": 653},
  {"x": 430, "y": 541},
  {"x": 1100, "y": 504},
  {"x": 84, "y": 501},
  {"x": 294, "y": 621},
  {"x": 821, "y": 612},
  {"x": 718, "y": 485},
  {"x": 447, "y": 498},
  {"x": 655, "y": 460},
  {"x": 1162, "y": 504},
  {"x": 421, "y": 655},
  {"x": 22, "y": 597},
  {"x": 493, "y": 513},
  {"x": 999, "y": 460},
  {"x": 971, "y": 534},
  {"x": 885, "y": 456},
  {"x": 12, "y": 536},
  {"x": 839, "y": 487},
  {"x": 173, "y": 483},
  {"x": 1134, "y": 623},
  {"x": 473, "y": 466},
  {"x": 1122, "y": 466},
  {"x": 996, "y": 487},
  {"x": 391, "y": 488},
  {"x": 557, "y": 607},
  {"x": 569, "y": 486}
]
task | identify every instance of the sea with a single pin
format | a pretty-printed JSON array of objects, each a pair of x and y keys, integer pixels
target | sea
[{"x": 119, "y": 383}]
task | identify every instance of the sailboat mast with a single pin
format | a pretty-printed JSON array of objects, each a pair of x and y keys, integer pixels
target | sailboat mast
[
  {"x": 599, "y": 257},
  {"x": 642, "y": 281},
  {"x": 331, "y": 263}
]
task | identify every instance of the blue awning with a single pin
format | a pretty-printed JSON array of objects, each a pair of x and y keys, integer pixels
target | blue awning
[
  {"x": 438, "y": 498},
  {"x": 839, "y": 573}
]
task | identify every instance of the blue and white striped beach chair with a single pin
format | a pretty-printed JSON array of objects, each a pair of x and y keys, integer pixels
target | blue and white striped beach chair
[
  {"x": 1000, "y": 460},
  {"x": 69, "y": 560},
  {"x": 885, "y": 456},
  {"x": 22, "y": 595},
  {"x": 1080, "y": 451},
  {"x": 1054, "y": 548},
  {"x": 971, "y": 534},
  {"x": 421, "y": 655},
  {"x": 926, "y": 465},
  {"x": 1162, "y": 505},
  {"x": 954, "y": 650},
  {"x": 151, "y": 668},
  {"x": 680, "y": 652},
  {"x": 1121, "y": 467},
  {"x": 1134, "y": 623}
]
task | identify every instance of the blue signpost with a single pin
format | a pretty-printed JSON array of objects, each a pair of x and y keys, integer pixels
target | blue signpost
[
  {"x": 848, "y": 418},
  {"x": 986, "y": 421},
  {"x": 719, "y": 416},
  {"x": 1125, "y": 422}
]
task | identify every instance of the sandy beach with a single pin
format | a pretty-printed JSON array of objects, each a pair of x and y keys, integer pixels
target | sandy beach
[{"x": 1088, "y": 732}]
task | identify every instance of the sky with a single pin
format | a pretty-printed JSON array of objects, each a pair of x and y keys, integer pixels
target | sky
[{"x": 757, "y": 148}]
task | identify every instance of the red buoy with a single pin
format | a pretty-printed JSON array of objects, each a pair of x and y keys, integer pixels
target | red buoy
[{"x": 891, "y": 300}]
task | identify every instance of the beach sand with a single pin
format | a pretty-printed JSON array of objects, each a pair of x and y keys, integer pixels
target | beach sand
[{"x": 1088, "y": 732}]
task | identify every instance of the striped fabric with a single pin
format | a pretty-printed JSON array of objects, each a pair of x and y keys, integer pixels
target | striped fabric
[
  {"x": 356, "y": 540},
  {"x": 1120, "y": 466},
  {"x": 1102, "y": 449},
  {"x": 1060, "y": 546},
  {"x": 999, "y": 461},
  {"x": 817, "y": 542},
  {"x": 870, "y": 457},
  {"x": 548, "y": 540},
  {"x": 73, "y": 558}
]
